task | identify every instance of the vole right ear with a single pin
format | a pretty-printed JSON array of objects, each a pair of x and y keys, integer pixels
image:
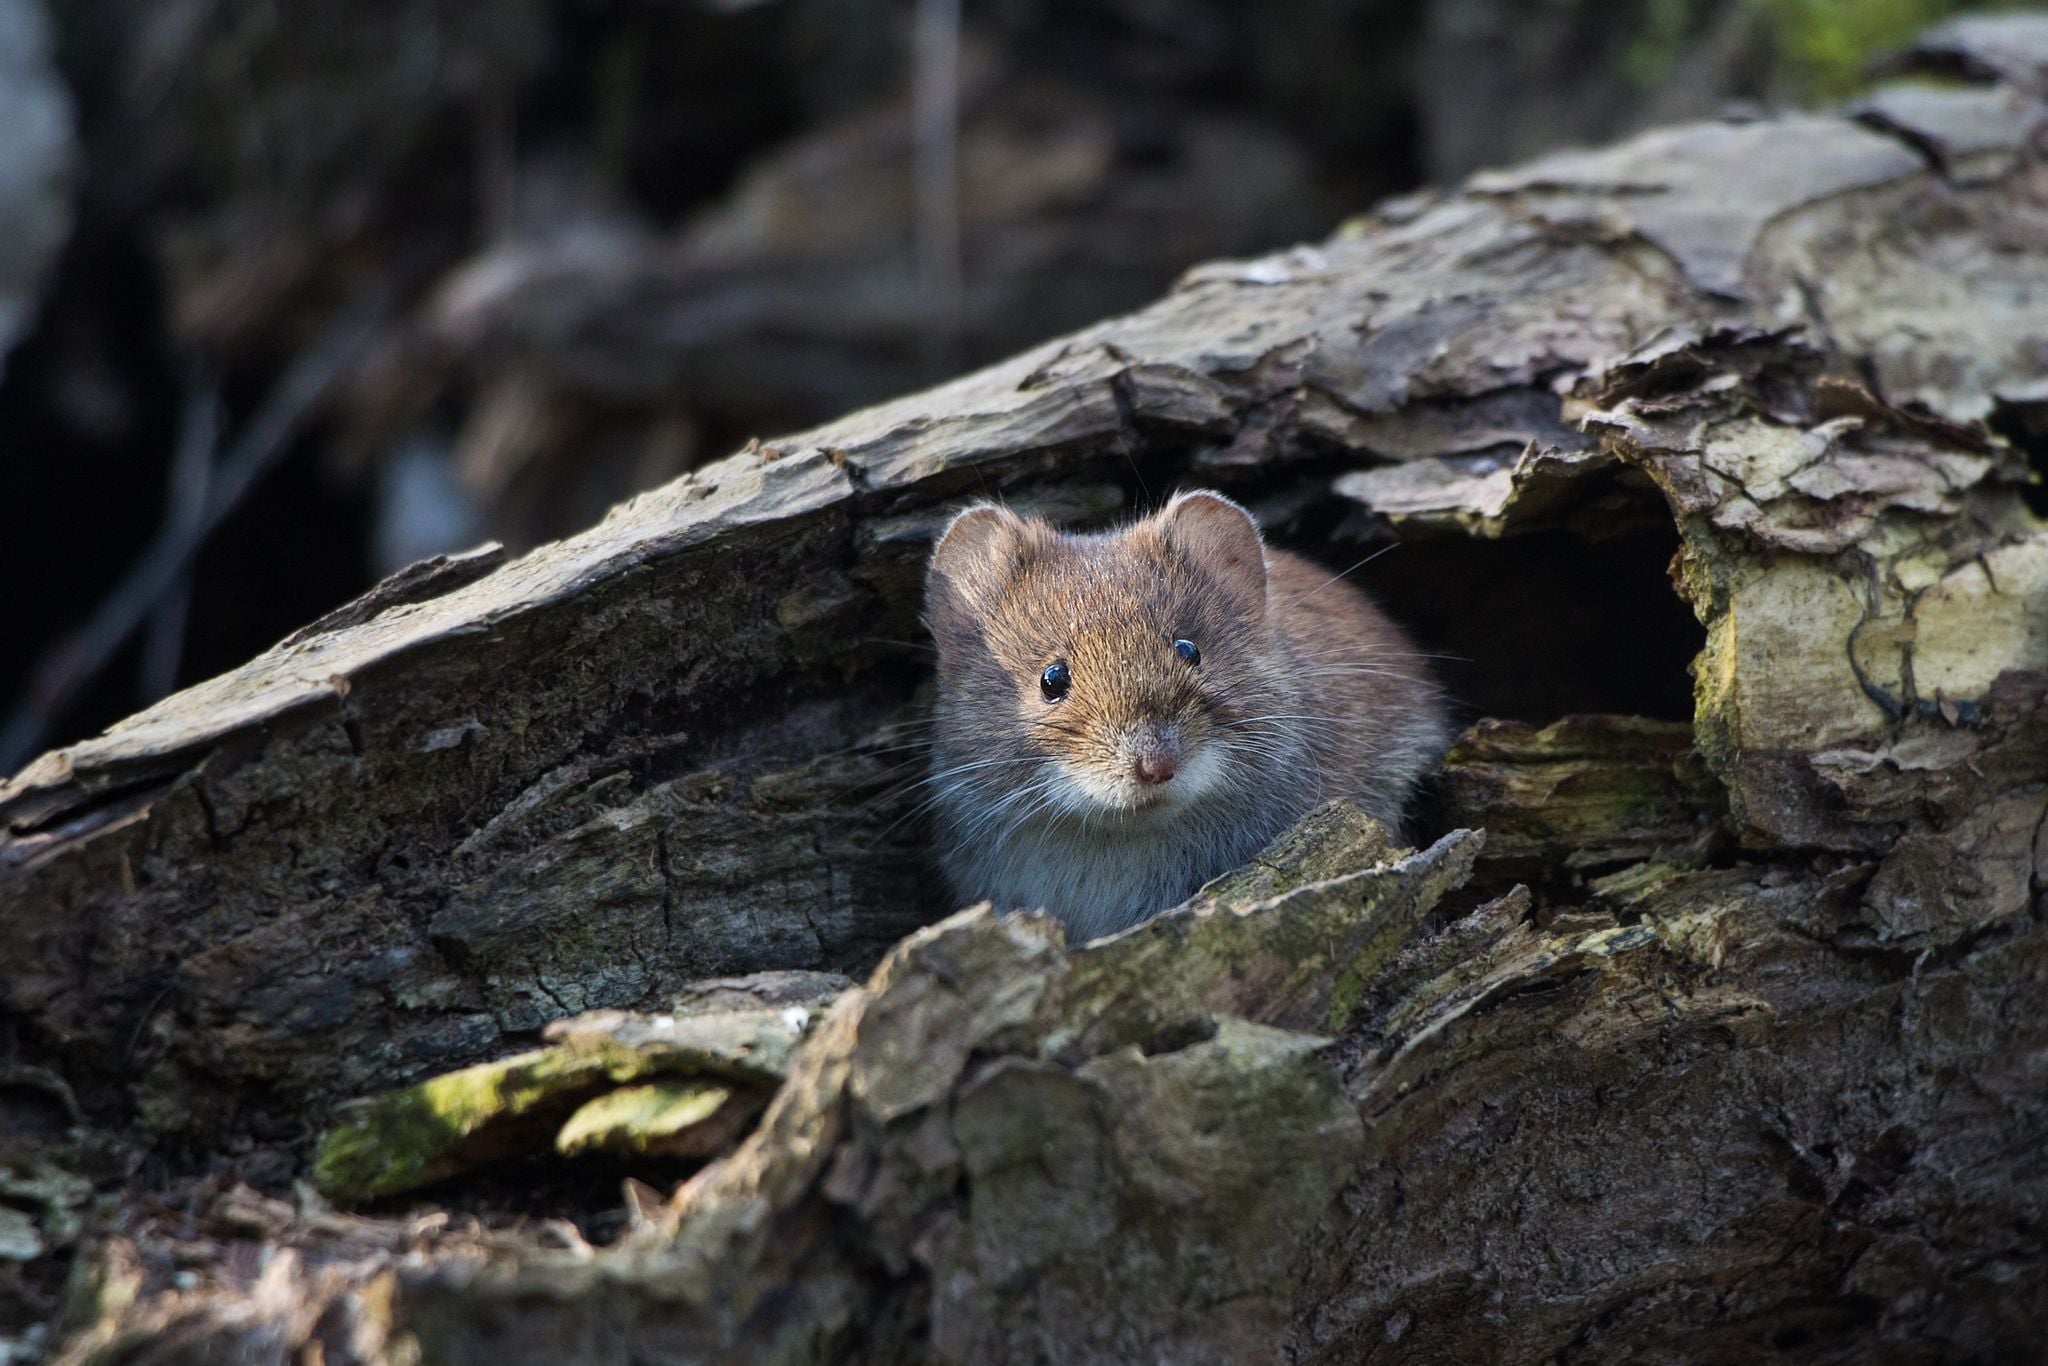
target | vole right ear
[
  {"x": 1222, "y": 538},
  {"x": 979, "y": 552}
]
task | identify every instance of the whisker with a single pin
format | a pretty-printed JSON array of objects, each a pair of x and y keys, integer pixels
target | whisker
[
  {"x": 947, "y": 782},
  {"x": 1304, "y": 597},
  {"x": 1376, "y": 652}
]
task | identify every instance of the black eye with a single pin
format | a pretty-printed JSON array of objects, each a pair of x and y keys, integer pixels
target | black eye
[
  {"x": 1187, "y": 650},
  {"x": 1055, "y": 681}
]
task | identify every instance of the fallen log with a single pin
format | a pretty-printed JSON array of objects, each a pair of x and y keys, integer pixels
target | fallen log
[{"x": 1751, "y": 1065}]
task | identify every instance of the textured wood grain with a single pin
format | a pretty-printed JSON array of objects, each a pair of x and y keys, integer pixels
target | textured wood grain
[{"x": 1771, "y": 1084}]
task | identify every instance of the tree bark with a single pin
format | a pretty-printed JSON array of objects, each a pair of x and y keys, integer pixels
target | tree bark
[{"x": 1752, "y": 1061}]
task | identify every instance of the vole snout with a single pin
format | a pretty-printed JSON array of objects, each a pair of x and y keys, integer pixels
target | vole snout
[{"x": 1155, "y": 755}]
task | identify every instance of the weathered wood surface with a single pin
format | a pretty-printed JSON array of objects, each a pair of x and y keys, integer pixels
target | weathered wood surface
[{"x": 1763, "y": 1071}]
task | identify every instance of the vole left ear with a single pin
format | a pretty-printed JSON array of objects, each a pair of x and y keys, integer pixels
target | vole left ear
[
  {"x": 1220, "y": 538},
  {"x": 979, "y": 551},
  {"x": 982, "y": 551}
]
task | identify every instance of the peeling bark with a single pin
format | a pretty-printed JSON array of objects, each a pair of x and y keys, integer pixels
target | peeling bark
[{"x": 1753, "y": 1063}]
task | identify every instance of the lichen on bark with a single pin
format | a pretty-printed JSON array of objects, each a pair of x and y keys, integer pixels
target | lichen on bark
[{"x": 1750, "y": 1064}]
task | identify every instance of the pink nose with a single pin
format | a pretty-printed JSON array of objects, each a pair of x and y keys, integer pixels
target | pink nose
[{"x": 1156, "y": 766}]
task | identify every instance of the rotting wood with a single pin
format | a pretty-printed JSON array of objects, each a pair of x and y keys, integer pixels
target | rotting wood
[{"x": 1780, "y": 1094}]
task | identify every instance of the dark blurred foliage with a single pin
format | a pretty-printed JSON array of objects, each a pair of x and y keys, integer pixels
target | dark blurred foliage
[{"x": 601, "y": 241}]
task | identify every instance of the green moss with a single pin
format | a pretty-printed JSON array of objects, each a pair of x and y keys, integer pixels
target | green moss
[
  {"x": 638, "y": 1120},
  {"x": 419, "y": 1135},
  {"x": 1358, "y": 971},
  {"x": 1826, "y": 46},
  {"x": 1714, "y": 706},
  {"x": 1821, "y": 49},
  {"x": 716, "y": 1063}
]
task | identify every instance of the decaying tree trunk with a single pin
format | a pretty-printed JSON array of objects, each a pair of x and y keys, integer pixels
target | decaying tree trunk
[{"x": 1668, "y": 1043}]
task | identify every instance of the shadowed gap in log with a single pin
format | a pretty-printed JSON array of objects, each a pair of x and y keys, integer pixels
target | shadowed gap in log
[
  {"x": 2026, "y": 426},
  {"x": 1568, "y": 657},
  {"x": 1548, "y": 624}
]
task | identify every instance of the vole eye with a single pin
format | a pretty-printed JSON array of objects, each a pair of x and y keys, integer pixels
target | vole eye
[
  {"x": 1187, "y": 650},
  {"x": 1055, "y": 681}
]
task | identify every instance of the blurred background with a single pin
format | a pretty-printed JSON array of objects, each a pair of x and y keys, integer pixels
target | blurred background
[{"x": 296, "y": 292}]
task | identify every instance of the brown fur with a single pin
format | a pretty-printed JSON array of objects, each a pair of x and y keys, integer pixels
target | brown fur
[{"x": 1304, "y": 691}]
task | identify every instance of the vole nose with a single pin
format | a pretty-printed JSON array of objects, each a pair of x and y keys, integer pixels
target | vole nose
[{"x": 1156, "y": 761}]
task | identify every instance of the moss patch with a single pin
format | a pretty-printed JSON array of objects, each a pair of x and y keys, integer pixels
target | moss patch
[{"x": 681, "y": 1118}]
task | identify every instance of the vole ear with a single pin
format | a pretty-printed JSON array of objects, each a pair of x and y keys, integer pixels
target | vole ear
[
  {"x": 979, "y": 552},
  {"x": 1220, "y": 538}
]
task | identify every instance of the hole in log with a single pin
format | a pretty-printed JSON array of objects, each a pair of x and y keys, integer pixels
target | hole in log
[
  {"x": 1547, "y": 624},
  {"x": 2026, "y": 426}
]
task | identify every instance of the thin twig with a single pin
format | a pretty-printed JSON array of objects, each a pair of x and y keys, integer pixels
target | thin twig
[
  {"x": 935, "y": 123},
  {"x": 79, "y": 657},
  {"x": 191, "y": 473}
]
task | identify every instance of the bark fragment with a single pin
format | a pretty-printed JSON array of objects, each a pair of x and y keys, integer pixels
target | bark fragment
[{"x": 1768, "y": 1084}]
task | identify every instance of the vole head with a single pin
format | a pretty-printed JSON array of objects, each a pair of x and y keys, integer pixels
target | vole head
[{"x": 1102, "y": 674}]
